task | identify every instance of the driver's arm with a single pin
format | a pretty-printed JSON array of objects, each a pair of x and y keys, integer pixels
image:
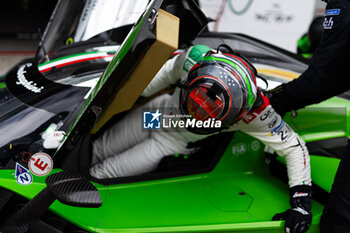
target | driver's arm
[
  {"x": 269, "y": 128},
  {"x": 176, "y": 69},
  {"x": 168, "y": 75}
]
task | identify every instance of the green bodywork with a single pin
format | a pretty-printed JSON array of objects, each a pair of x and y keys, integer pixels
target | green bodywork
[{"x": 238, "y": 195}]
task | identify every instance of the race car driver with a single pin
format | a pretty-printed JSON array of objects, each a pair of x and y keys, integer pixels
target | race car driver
[
  {"x": 216, "y": 86},
  {"x": 326, "y": 77}
]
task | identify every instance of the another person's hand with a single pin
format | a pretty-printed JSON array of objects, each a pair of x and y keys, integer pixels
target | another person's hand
[
  {"x": 298, "y": 218},
  {"x": 279, "y": 100}
]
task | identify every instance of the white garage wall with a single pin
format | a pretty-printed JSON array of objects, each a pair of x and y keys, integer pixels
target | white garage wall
[{"x": 279, "y": 22}]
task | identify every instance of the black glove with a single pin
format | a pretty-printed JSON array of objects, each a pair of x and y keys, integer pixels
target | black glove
[
  {"x": 279, "y": 99},
  {"x": 299, "y": 217}
]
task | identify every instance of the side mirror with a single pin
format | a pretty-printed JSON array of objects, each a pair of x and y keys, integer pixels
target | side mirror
[
  {"x": 70, "y": 188},
  {"x": 73, "y": 189}
]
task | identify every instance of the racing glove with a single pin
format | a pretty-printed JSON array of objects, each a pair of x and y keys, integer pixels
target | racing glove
[
  {"x": 298, "y": 218},
  {"x": 279, "y": 100}
]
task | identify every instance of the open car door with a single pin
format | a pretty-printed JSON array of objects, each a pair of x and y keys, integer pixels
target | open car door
[{"x": 129, "y": 72}]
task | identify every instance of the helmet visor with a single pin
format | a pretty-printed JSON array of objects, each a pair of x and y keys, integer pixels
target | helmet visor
[{"x": 201, "y": 106}]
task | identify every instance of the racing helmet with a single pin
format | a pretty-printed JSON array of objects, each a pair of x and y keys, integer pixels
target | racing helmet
[{"x": 220, "y": 86}]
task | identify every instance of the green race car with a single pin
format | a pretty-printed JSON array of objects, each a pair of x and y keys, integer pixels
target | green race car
[{"x": 231, "y": 184}]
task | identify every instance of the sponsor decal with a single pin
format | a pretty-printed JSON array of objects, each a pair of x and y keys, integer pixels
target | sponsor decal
[
  {"x": 255, "y": 145},
  {"x": 22, "y": 175},
  {"x": 239, "y": 149},
  {"x": 332, "y": 12},
  {"x": 283, "y": 130},
  {"x": 328, "y": 23},
  {"x": 188, "y": 65},
  {"x": 30, "y": 85},
  {"x": 40, "y": 164},
  {"x": 300, "y": 194},
  {"x": 277, "y": 129},
  {"x": 157, "y": 120},
  {"x": 264, "y": 102},
  {"x": 249, "y": 117},
  {"x": 272, "y": 123},
  {"x": 266, "y": 115},
  {"x": 243, "y": 148},
  {"x": 274, "y": 14}
]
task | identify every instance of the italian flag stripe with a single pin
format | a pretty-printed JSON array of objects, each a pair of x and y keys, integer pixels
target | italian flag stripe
[{"x": 71, "y": 60}]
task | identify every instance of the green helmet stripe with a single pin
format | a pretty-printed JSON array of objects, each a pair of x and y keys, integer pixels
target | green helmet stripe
[
  {"x": 198, "y": 51},
  {"x": 251, "y": 98}
]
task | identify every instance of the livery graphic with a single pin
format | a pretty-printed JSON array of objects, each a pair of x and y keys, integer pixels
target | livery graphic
[
  {"x": 239, "y": 149},
  {"x": 266, "y": 115},
  {"x": 328, "y": 23},
  {"x": 30, "y": 85},
  {"x": 331, "y": 17},
  {"x": 22, "y": 175},
  {"x": 273, "y": 123},
  {"x": 188, "y": 65},
  {"x": 277, "y": 129},
  {"x": 332, "y": 12},
  {"x": 40, "y": 164}
]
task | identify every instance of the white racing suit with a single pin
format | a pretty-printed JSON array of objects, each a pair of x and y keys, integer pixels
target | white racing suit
[{"x": 126, "y": 149}]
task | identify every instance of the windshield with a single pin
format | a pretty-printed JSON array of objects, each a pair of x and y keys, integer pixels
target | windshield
[
  {"x": 17, "y": 121},
  {"x": 80, "y": 20},
  {"x": 32, "y": 106}
]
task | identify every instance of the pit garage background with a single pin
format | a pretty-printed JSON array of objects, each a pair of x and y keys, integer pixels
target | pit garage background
[{"x": 279, "y": 22}]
